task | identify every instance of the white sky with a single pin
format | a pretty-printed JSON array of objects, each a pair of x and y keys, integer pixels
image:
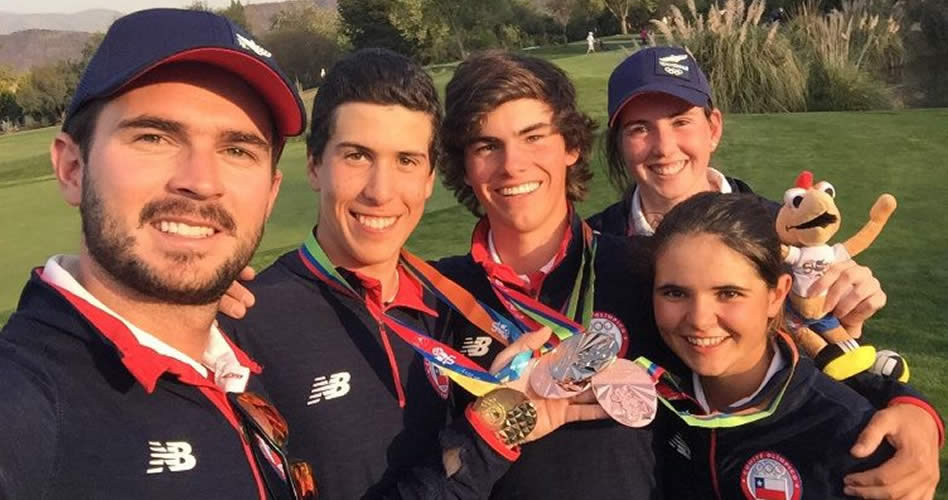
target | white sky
[{"x": 125, "y": 6}]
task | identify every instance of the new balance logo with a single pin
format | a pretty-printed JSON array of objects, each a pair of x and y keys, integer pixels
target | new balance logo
[
  {"x": 336, "y": 386},
  {"x": 680, "y": 446},
  {"x": 475, "y": 346},
  {"x": 175, "y": 455}
]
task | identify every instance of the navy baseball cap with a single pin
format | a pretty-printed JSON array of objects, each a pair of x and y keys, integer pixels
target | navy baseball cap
[
  {"x": 140, "y": 42},
  {"x": 668, "y": 70}
]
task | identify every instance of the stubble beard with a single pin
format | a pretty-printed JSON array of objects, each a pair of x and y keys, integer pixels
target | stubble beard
[{"x": 112, "y": 246}]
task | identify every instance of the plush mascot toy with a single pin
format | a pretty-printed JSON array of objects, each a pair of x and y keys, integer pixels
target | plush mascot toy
[{"x": 805, "y": 223}]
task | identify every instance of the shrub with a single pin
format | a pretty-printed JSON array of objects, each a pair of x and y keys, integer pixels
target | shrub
[
  {"x": 846, "y": 88},
  {"x": 846, "y": 52},
  {"x": 752, "y": 67}
]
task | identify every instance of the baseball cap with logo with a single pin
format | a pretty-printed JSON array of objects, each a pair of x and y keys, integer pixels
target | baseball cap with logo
[
  {"x": 668, "y": 70},
  {"x": 140, "y": 42}
]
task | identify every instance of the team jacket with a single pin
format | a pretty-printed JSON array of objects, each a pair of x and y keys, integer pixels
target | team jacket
[
  {"x": 614, "y": 219},
  {"x": 600, "y": 459},
  {"x": 799, "y": 451},
  {"x": 364, "y": 409},
  {"x": 88, "y": 412}
]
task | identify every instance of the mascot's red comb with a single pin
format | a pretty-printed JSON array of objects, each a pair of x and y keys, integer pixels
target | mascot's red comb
[{"x": 805, "y": 179}]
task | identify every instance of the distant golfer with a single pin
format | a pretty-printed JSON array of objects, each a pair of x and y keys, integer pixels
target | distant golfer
[{"x": 590, "y": 42}]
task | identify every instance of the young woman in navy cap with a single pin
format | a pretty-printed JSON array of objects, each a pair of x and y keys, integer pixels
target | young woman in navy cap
[{"x": 663, "y": 130}]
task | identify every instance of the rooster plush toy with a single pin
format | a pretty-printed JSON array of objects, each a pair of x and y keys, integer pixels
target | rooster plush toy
[{"x": 807, "y": 220}]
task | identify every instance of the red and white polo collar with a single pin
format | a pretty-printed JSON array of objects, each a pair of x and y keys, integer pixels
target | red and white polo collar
[
  {"x": 144, "y": 355},
  {"x": 485, "y": 254},
  {"x": 409, "y": 294}
]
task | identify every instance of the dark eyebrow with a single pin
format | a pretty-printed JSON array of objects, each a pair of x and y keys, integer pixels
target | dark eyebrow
[
  {"x": 524, "y": 131},
  {"x": 669, "y": 286},
  {"x": 673, "y": 114},
  {"x": 354, "y": 146},
  {"x": 148, "y": 121},
  {"x": 242, "y": 137},
  {"x": 414, "y": 154},
  {"x": 531, "y": 128},
  {"x": 731, "y": 287}
]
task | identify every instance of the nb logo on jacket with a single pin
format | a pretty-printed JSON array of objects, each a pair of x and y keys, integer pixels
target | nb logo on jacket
[
  {"x": 475, "y": 346},
  {"x": 176, "y": 456},
  {"x": 335, "y": 386}
]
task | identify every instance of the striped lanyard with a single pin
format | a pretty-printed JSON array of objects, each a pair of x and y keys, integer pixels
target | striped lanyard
[
  {"x": 677, "y": 400},
  {"x": 455, "y": 365},
  {"x": 531, "y": 314}
]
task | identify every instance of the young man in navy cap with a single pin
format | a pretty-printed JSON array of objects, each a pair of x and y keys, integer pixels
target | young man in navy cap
[{"x": 116, "y": 380}]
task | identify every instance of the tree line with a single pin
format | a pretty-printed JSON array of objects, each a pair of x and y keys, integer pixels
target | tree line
[{"x": 307, "y": 39}]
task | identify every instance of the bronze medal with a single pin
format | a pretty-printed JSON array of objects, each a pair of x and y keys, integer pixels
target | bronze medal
[{"x": 627, "y": 393}]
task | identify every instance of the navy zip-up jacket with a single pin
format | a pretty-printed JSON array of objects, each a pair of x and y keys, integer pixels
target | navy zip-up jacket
[
  {"x": 330, "y": 367},
  {"x": 88, "y": 412},
  {"x": 800, "y": 451},
  {"x": 599, "y": 459}
]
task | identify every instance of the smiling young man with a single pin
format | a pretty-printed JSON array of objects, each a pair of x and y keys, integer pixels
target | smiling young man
[
  {"x": 517, "y": 150},
  {"x": 115, "y": 376}
]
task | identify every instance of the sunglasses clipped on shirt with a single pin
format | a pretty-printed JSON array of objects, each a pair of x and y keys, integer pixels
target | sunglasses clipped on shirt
[{"x": 267, "y": 432}]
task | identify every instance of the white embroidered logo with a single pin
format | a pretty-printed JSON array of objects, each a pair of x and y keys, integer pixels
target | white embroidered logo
[
  {"x": 336, "y": 386},
  {"x": 680, "y": 446},
  {"x": 475, "y": 346},
  {"x": 671, "y": 64},
  {"x": 252, "y": 46},
  {"x": 443, "y": 357},
  {"x": 175, "y": 455}
]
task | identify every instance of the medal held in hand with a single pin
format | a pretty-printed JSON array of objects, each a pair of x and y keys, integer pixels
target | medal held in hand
[
  {"x": 584, "y": 356},
  {"x": 508, "y": 413},
  {"x": 566, "y": 370},
  {"x": 542, "y": 382},
  {"x": 627, "y": 393}
]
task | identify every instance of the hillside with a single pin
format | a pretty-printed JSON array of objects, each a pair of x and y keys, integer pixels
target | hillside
[
  {"x": 25, "y": 49},
  {"x": 87, "y": 20},
  {"x": 28, "y": 40},
  {"x": 259, "y": 14}
]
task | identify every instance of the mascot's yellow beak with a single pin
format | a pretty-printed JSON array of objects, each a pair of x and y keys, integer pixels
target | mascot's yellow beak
[{"x": 809, "y": 217}]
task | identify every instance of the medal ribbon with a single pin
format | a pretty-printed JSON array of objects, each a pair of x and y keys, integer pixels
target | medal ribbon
[
  {"x": 669, "y": 392},
  {"x": 532, "y": 314},
  {"x": 455, "y": 365},
  {"x": 476, "y": 312}
]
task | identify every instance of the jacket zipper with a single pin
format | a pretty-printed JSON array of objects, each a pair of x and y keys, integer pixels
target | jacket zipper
[
  {"x": 714, "y": 465},
  {"x": 392, "y": 364}
]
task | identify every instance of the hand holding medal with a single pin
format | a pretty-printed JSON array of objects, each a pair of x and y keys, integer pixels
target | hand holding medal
[
  {"x": 589, "y": 361},
  {"x": 548, "y": 414}
]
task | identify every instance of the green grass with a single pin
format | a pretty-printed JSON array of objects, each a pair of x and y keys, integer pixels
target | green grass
[{"x": 862, "y": 154}]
